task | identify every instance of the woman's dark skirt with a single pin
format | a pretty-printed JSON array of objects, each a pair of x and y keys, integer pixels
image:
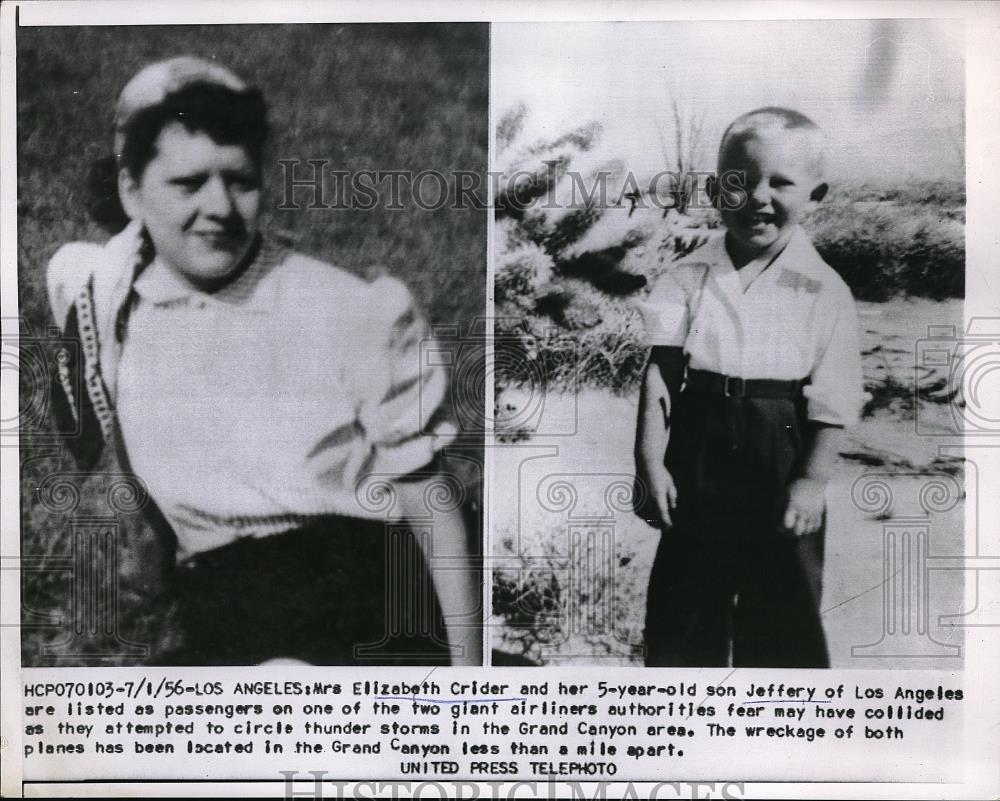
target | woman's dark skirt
[{"x": 340, "y": 591}]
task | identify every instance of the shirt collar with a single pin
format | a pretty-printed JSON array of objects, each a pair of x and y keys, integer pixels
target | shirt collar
[
  {"x": 251, "y": 291},
  {"x": 799, "y": 255}
]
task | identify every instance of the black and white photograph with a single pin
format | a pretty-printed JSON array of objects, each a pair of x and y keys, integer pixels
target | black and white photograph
[
  {"x": 499, "y": 400},
  {"x": 720, "y": 247},
  {"x": 238, "y": 425}
]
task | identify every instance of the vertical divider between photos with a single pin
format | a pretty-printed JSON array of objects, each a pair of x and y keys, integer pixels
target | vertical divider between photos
[{"x": 489, "y": 391}]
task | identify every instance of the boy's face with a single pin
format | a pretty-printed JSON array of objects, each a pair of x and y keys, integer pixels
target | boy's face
[{"x": 779, "y": 185}]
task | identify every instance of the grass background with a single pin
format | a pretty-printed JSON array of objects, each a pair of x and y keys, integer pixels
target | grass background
[{"x": 388, "y": 96}]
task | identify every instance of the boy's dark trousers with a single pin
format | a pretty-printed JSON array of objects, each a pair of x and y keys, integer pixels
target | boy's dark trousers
[{"x": 728, "y": 586}]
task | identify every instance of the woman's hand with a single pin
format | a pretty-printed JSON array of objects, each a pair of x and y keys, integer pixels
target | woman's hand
[{"x": 456, "y": 574}]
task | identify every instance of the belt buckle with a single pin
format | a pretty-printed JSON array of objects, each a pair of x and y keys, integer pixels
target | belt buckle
[{"x": 728, "y": 388}]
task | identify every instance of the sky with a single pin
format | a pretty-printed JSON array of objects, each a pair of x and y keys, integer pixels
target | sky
[{"x": 888, "y": 93}]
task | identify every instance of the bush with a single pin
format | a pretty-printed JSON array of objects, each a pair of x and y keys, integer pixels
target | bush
[
  {"x": 940, "y": 194},
  {"x": 530, "y": 606},
  {"x": 568, "y": 599},
  {"x": 884, "y": 248},
  {"x": 520, "y": 274},
  {"x": 573, "y": 336}
]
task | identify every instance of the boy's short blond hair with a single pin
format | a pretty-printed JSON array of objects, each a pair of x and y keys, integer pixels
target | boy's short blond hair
[{"x": 747, "y": 125}]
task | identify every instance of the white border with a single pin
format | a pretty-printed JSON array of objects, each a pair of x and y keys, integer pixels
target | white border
[
  {"x": 982, "y": 299},
  {"x": 165, "y": 12},
  {"x": 10, "y": 516}
]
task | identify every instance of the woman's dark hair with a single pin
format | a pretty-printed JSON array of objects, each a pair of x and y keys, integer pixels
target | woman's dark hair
[{"x": 228, "y": 117}]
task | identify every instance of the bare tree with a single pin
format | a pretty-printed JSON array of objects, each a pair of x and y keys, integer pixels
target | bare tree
[{"x": 684, "y": 156}]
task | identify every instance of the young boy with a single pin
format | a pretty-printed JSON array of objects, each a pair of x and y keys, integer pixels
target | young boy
[{"x": 754, "y": 370}]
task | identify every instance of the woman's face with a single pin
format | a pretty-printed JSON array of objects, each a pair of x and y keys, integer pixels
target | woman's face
[{"x": 198, "y": 201}]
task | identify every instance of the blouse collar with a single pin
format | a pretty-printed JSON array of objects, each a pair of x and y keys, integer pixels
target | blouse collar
[{"x": 160, "y": 285}]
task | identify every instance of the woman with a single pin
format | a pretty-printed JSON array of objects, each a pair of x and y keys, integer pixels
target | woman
[{"x": 275, "y": 406}]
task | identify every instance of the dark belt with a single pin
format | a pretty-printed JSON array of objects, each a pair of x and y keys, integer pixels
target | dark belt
[{"x": 705, "y": 382}]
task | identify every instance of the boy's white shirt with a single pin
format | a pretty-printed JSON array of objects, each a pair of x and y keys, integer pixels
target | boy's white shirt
[{"x": 796, "y": 320}]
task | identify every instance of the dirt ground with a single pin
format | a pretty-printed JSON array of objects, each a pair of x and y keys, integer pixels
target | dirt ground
[{"x": 895, "y": 520}]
